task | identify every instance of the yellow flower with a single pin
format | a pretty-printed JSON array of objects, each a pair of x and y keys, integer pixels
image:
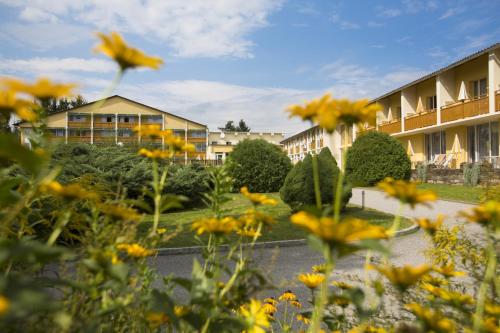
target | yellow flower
[
  {"x": 181, "y": 310},
  {"x": 347, "y": 231},
  {"x": 156, "y": 319},
  {"x": 403, "y": 277},
  {"x": 9, "y": 103},
  {"x": 406, "y": 192},
  {"x": 127, "y": 57},
  {"x": 304, "y": 319},
  {"x": 311, "y": 109},
  {"x": 486, "y": 214},
  {"x": 253, "y": 217},
  {"x": 256, "y": 318},
  {"x": 4, "y": 305},
  {"x": 448, "y": 295},
  {"x": 120, "y": 212},
  {"x": 319, "y": 268},
  {"x": 177, "y": 144},
  {"x": 435, "y": 281},
  {"x": 161, "y": 231},
  {"x": 341, "y": 300},
  {"x": 431, "y": 320},
  {"x": 312, "y": 281},
  {"x": 215, "y": 226},
  {"x": 269, "y": 308},
  {"x": 43, "y": 88},
  {"x": 492, "y": 309},
  {"x": 135, "y": 250},
  {"x": 154, "y": 154},
  {"x": 341, "y": 285},
  {"x": 248, "y": 232},
  {"x": 347, "y": 112},
  {"x": 287, "y": 296},
  {"x": 367, "y": 329},
  {"x": 152, "y": 131},
  {"x": 490, "y": 325},
  {"x": 71, "y": 191},
  {"x": 271, "y": 300},
  {"x": 257, "y": 198},
  {"x": 296, "y": 304},
  {"x": 429, "y": 226},
  {"x": 448, "y": 271}
]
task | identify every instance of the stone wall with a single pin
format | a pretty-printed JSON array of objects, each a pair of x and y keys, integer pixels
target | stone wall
[{"x": 487, "y": 175}]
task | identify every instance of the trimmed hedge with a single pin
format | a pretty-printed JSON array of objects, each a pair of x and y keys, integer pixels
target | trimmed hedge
[
  {"x": 298, "y": 189},
  {"x": 259, "y": 165},
  {"x": 375, "y": 156}
]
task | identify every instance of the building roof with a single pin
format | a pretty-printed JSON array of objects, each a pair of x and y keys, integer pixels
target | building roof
[
  {"x": 299, "y": 134},
  {"x": 441, "y": 70},
  {"x": 129, "y": 100}
]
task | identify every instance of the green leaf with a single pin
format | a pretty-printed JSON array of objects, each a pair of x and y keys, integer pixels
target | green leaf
[{"x": 11, "y": 149}]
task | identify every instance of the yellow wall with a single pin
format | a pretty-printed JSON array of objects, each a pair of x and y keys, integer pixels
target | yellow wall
[
  {"x": 394, "y": 104},
  {"x": 221, "y": 149},
  {"x": 472, "y": 70},
  {"x": 414, "y": 147},
  {"x": 424, "y": 90}
]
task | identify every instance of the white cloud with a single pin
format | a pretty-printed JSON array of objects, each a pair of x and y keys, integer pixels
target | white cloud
[
  {"x": 450, "y": 12},
  {"x": 197, "y": 28},
  {"x": 50, "y": 66},
  {"x": 33, "y": 14},
  {"x": 344, "y": 24},
  {"x": 391, "y": 12}
]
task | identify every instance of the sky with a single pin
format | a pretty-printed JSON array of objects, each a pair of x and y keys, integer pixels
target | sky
[{"x": 244, "y": 59}]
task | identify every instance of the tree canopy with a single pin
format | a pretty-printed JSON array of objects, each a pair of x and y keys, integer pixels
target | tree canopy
[{"x": 230, "y": 127}]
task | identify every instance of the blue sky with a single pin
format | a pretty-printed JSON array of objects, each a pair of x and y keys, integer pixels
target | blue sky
[{"x": 232, "y": 59}]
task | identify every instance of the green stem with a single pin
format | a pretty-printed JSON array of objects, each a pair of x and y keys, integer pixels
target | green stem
[
  {"x": 60, "y": 224},
  {"x": 488, "y": 276},
  {"x": 317, "y": 191},
  {"x": 157, "y": 197},
  {"x": 338, "y": 189},
  {"x": 116, "y": 80},
  {"x": 320, "y": 302}
]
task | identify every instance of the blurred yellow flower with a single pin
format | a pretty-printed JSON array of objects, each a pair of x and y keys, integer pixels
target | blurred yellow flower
[
  {"x": 175, "y": 143},
  {"x": 406, "y": 192},
  {"x": 9, "y": 103},
  {"x": 296, "y": 304},
  {"x": 248, "y": 232},
  {"x": 135, "y": 250},
  {"x": 127, "y": 57},
  {"x": 486, "y": 214},
  {"x": 215, "y": 226},
  {"x": 435, "y": 281},
  {"x": 448, "y": 295},
  {"x": 341, "y": 285},
  {"x": 271, "y": 300},
  {"x": 490, "y": 325},
  {"x": 448, "y": 271},
  {"x": 70, "y": 191},
  {"x": 312, "y": 281},
  {"x": 433, "y": 321},
  {"x": 269, "y": 308},
  {"x": 311, "y": 109},
  {"x": 181, "y": 310},
  {"x": 152, "y": 130},
  {"x": 345, "y": 232},
  {"x": 257, "y": 198},
  {"x": 253, "y": 217},
  {"x": 4, "y": 305},
  {"x": 255, "y": 317},
  {"x": 154, "y": 154},
  {"x": 429, "y": 226},
  {"x": 287, "y": 296},
  {"x": 367, "y": 329},
  {"x": 156, "y": 319},
  {"x": 319, "y": 268},
  {"x": 161, "y": 231},
  {"x": 42, "y": 89},
  {"x": 403, "y": 277},
  {"x": 304, "y": 319},
  {"x": 120, "y": 212},
  {"x": 340, "y": 300}
]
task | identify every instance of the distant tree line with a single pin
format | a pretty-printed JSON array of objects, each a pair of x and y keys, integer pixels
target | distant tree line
[{"x": 230, "y": 127}]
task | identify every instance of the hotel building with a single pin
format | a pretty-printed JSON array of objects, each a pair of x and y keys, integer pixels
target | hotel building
[{"x": 448, "y": 117}]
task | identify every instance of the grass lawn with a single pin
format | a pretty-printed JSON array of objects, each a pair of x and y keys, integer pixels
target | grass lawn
[
  {"x": 455, "y": 192},
  {"x": 282, "y": 230}
]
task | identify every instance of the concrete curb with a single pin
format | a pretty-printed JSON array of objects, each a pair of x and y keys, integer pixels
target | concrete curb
[{"x": 260, "y": 245}]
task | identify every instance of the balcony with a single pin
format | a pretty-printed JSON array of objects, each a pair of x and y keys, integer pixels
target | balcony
[
  {"x": 79, "y": 124},
  {"x": 391, "y": 127},
  {"x": 428, "y": 118},
  {"x": 79, "y": 139},
  {"x": 104, "y": 124},
  {"x": 467, "y": 109},
  {"x": 127, "y": 125}
]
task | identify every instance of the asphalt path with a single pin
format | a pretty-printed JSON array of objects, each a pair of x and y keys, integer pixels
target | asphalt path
[{"x": 284, "y": 264}]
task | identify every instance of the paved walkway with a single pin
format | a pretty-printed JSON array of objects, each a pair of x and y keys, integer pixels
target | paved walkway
[{"x": 284, "y": 264}]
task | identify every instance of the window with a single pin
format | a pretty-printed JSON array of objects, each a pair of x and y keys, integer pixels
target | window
[
  {"x": 479, "y": 88},
  {"x": 125, "y": 133},
  {"x": 104, "y": 133},
  {"x": 109, "y": 119},
  {"x": 435, "y": 144},
  {"x": 56, "y": 131},
  {"x": 78, "y": 118},
  {"x": 200, "y": 147},
  {"x": 197, "y": 134},
  {"x": 78, "y": 132},
  {"x": 179, "y": 133},
  {"x": 482, "y": 141},
  {"x": 152, "y": 119},
  {"x": 126, "y": 119},
  {"x": 431, "y": 103},
  {"x": 228, "y": 143}
]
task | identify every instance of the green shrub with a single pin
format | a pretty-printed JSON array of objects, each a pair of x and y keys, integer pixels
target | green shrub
[
  {"x": 259, "y": 165},
  {"x": 421, "y": 169},
  {"x": 190, "y": 181},
  {"x": 298, "y": 189},
  {"x": 375, "y": 156},
  {"x": 471, "y": 174}
]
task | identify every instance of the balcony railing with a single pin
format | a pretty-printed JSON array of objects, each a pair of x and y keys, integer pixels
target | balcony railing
[
  {"x": 391, "y": 128},
  {"x": 127, "y": 125},
  {"x": 467, "y": 109},
  {"x": 428, "y": 118},
  {"x": 79, "y": 124},
  {"x": 79, "y": 138},
  {"x": 104, "y": 125}
]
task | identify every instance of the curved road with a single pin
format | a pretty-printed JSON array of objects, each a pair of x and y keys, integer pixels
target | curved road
[{"x": 284, "y": 264}]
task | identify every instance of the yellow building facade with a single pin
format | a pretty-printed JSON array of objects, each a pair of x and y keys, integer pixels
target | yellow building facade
[
  {"x": 445, "y": 118},
  {"x": 112, "y": 120}
]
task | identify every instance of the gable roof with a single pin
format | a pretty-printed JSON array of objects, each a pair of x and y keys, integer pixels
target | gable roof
[
  {"x": 441, "y": 70},
  {"x": 128, "y": 100}
]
